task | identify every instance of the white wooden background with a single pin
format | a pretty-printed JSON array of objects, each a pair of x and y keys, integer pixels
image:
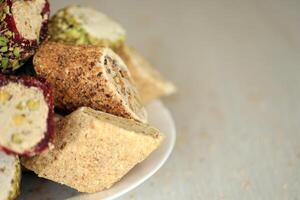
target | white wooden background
[{"x": 237, "y": 66}]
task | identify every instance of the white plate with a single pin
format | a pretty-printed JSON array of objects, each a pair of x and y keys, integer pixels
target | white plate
[{"x": 34, "y": 188}]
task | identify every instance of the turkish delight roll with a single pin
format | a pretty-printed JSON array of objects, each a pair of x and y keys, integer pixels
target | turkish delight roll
[
  {"x": 26, "y": 115},
  {"x": 90, "y": 76},
  {"x": 149, "y": 82},
  {"x": 83, "y": 25},
  {"x": 10, "y": 176},
  {"x": 23, "y": 26}
]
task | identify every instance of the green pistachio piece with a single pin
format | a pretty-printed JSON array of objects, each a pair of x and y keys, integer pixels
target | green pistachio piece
[
  {"x": 74, "y": 33},
  {"x": 2, "y": 43},
  {"x": 17, "y": 52},
  {"x": 15, "y": 64},
  {"x": 33, "y": 104},
  {"x": 4, "y": 96},
  {"x": 3, "y": 39},
  {"x": 9, "y": 34},
  {"x": 20, "y": 106},
  {"x": 4, "y": 49},
  {"x": 17, "y": 138},
  {"x": 6, "y": 10},
  {"x": 4, "y": 63}
]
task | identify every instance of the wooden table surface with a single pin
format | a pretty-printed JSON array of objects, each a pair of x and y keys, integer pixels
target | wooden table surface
[{"x": 237, "y": 65}]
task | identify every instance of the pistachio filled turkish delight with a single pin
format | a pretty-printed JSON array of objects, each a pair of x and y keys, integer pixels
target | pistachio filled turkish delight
[
  {"x": 26, "y": 115},
  {"x": 84, "y": 25},
  {"x": 23, "y": 26}
]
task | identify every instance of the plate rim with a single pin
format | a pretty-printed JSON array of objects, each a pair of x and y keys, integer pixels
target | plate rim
[{"x": 164, "y": 159}]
